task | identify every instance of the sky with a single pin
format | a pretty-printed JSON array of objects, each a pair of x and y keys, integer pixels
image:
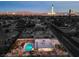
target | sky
[{"x": 38, "y": 6}]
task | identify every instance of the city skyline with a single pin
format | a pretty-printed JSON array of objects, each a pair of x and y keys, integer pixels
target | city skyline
[{"x": 38, "y": 6}]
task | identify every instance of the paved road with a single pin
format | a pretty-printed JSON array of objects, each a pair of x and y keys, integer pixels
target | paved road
[{"x": 71, "y": 45}]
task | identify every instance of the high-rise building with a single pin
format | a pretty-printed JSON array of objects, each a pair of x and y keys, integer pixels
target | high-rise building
[{"x": 52, "y": 11}]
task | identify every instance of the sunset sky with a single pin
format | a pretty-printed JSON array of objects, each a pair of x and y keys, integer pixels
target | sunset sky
[{"x": 38, "y": 6}]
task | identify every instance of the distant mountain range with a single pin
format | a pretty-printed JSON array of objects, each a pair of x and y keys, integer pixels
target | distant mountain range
[
  {"x": 28, "y": 13},
  {"x": 22, "y": 13}
]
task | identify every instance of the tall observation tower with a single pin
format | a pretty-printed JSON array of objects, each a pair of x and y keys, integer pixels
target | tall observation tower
[{"x": 52, "y": 10}]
